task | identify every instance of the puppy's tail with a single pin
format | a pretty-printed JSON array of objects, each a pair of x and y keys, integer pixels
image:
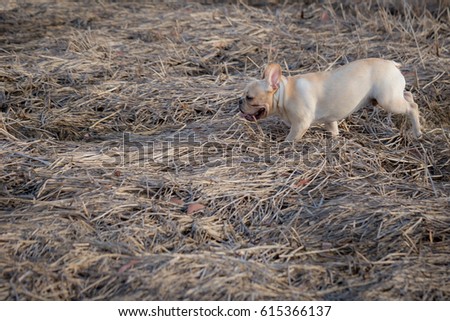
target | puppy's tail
[{"x": 396, "y": 64}]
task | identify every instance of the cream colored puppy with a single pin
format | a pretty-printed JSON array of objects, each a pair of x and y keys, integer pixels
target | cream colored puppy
[{"x": 327, "y": 97}]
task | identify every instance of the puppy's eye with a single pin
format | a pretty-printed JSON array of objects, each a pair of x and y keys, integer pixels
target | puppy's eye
[{"x": 248, "y": 97}]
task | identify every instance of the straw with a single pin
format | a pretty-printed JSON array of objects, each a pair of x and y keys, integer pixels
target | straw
[{"x": 127, "y": 174}]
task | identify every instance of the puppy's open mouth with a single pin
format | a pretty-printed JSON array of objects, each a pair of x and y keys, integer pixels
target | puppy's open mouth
[{"x": 254, "y": 117}]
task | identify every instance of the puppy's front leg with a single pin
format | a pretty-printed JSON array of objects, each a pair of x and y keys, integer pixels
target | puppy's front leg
[
  {"x": 297, "y": 131},
  {"x": 332, "y": 128}
]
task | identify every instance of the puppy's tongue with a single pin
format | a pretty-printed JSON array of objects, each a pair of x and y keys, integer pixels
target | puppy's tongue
[{"x": 248, "y": 117}]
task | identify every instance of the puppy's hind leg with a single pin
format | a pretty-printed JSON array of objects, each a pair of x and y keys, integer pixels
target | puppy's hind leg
[
  {"x": 413, "y": 113},
  {"x": 403, "y": 105},
  {"x": 332, "y": 127}
]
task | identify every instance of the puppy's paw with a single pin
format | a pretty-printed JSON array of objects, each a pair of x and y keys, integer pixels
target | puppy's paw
[{"x": 289, "y": 142}]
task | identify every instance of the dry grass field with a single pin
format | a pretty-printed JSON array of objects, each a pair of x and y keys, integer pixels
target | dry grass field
[{"x": 127, "y": 173}]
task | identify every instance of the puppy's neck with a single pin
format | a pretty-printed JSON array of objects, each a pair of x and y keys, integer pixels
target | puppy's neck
[{"x": 278, "y": 97}]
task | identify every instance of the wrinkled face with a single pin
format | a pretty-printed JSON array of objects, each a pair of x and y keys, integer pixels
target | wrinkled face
[{"x": 257, "y": 100}]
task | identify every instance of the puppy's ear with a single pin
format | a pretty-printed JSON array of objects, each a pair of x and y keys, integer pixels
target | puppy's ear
[{"x": 272, "y": 75}]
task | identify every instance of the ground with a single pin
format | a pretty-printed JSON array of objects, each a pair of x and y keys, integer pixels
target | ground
[{"x": 127, "y": 173}]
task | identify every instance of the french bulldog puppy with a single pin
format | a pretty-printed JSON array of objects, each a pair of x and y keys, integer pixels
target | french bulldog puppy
[{"x": 328, "y": 97}]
